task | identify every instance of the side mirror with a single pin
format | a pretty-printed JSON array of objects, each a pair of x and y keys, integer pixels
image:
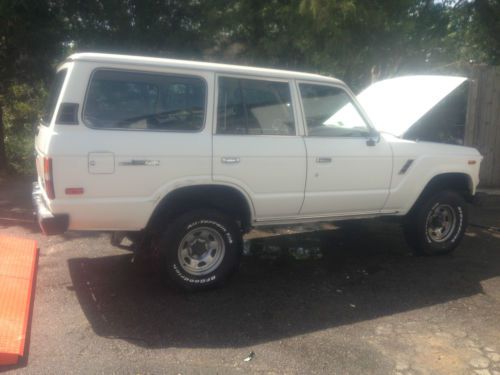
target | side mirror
[{"x": 373, "y": 138}]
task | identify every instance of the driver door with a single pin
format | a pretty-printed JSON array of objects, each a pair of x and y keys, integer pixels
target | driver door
[{"x": 348, "y": 171}]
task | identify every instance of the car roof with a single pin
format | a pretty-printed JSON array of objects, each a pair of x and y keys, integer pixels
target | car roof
[{"x": 199, "y": 65}]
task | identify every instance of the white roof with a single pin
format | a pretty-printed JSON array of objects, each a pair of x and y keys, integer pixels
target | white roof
[{"x": 188, "y": 64}]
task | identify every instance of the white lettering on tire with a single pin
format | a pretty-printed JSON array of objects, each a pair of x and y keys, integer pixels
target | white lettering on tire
[
  {"x": 460, "y": 223},
  {"x": 193, "y": 281},
  {"x": 459, "y": 227},
  {"x": 226, "y": 233}
]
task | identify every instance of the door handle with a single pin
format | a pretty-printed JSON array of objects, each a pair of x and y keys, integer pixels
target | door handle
[
  {"x": 323, "y": 159},
  {"x": 230, "y": 160}
]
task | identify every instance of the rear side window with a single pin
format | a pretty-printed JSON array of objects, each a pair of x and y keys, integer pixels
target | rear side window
[
  {"x": 143, "y": 101},
  {"x": 50, "y": 103},
  {"x": 248, "y": 106}
]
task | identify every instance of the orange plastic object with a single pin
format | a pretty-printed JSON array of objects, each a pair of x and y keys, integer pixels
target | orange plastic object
[{"x": 18, "y": 258}]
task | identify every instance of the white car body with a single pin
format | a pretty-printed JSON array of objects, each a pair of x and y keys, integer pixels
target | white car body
[{"x": 121, "y": 176}]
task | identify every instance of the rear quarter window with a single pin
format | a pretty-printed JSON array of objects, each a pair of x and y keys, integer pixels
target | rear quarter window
[
  {"x": 51, "y": 101},
  {"x": 145, "y": 101}
]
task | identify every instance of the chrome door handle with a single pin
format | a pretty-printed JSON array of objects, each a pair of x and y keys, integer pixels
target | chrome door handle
[
  {"x": 230, "y": 160},
  {"x": 323, "y": 159}
]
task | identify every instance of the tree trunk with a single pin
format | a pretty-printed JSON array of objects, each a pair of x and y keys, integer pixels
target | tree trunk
[{"x": 3, "y": 156}]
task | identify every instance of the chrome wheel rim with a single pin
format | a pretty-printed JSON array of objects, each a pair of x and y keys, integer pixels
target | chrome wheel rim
[
  {"x": 201, "y": 251},
  {"x": 441, "y": 223}
]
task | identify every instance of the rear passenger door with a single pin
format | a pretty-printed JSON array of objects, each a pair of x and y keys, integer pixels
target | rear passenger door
[{"x": 256, "y": 146}]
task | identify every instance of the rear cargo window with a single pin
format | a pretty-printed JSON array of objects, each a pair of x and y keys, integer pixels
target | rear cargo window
[
  {"x": 141, "y": 101},
  {"x": 55, "y": 90}
]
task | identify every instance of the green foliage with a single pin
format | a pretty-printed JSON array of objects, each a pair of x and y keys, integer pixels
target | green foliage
[
  {"x": 21, "y": 109},
  {"x": 474, "y": 29},
  {"x": 150, "y": 27},
  {"x": 359, "y": 41},
  {"x": 30, "y": 41},
  {"x": 30, "y": 35},
  {"x": 19, "y": 148}
]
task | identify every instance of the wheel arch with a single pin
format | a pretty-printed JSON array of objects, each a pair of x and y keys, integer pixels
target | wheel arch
[
  {"x": 225, "y": 198},
  {"x": 456, "y": 181}
]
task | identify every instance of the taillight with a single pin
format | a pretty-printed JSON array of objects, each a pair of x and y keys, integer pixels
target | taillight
[{"x": 48, "y": 180}]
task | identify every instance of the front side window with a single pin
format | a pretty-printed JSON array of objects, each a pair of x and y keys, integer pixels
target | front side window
[
  {"x": 330, "y": 112},
  {"x": 248, "y": 106},
  {"x": 128, "y": 100},
  {"x": 54, "y": 92}
]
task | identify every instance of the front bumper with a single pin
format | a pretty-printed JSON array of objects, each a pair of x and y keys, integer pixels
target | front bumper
[{"x": 49, "y": 223}]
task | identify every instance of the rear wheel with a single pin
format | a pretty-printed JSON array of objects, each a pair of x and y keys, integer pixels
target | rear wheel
[
  {"x": 200, "y": 249},
  {"x": 437, "y": 225}
]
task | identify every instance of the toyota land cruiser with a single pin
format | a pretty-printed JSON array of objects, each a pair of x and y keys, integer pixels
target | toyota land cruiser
[{"x": 185, "y": 157}]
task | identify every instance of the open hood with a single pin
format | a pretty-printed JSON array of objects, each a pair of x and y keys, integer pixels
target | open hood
[{"x": 395, "y": 104}]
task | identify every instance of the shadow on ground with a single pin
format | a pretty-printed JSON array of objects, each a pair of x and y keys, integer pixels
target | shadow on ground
[{"x": 287, "y": 286}]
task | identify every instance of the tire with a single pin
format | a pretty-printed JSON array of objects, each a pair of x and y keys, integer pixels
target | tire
[
  {"x": 436, "y": 226},
  {"x": 200, "y": 249}
]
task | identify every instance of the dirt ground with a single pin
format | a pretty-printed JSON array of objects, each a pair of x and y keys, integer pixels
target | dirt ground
[{"x": 346, "y": 299}]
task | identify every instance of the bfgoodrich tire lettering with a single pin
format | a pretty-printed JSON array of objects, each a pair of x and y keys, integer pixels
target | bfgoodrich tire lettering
[
  {"x": 437, "y": 225},
  {"x": 200, "y": 249}
]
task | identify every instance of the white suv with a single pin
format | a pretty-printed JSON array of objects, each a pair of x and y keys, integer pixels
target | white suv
[{"x": 185, "y": 157}]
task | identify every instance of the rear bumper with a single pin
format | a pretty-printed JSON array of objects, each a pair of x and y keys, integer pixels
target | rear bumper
[{"x": 49, "y": 223}]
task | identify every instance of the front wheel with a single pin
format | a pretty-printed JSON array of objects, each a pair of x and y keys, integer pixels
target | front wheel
[
  {"x": 200, "y": 249},
  {"x": 437, "y": 225}
]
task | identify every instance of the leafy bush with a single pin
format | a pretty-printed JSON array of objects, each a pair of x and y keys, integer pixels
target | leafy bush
[
  {"x": 21, "y": 112},
  {"x": 20, "y": 154}
]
